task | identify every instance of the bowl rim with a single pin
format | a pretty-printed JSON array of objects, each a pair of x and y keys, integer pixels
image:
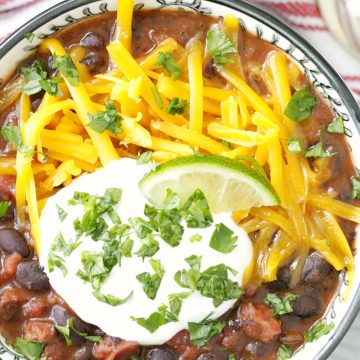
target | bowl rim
[{"x": 285, "y": 31}]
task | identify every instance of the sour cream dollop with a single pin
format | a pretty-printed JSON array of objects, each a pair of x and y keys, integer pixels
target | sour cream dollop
[{"x": 116, "y": 320}]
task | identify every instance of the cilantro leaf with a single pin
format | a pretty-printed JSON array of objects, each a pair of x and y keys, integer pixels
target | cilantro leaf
[
  {"x": 111, "y": 299},
  {"x": 106, "y": 120},
  {"x": 67, "y": 67},
  {"x": 157, "y": 97},
  {"x": 13, "y": 136},
  {"x": 62, "y": 214},
  {"x": 166, "y": 60},
  {"x": 284, "y": 352},
  {"x": 4, "y": 207},
  {"x": 144, "y": 158},
  {"x": 66, "y": 330},
  {"x": 294, "y": 145},
  {"x": 317, "y": 151},
  {"x": 60, "y": 245},
  {"x": 300, "y": 105},
  {"x": 156, "y": 319},
  {"x": 126, "y": 246},
  {"x": 196, "y": 211},
  {"x": 149, "y": 247},
  {"x": 317, "y": 331},
  {"x": 336, "y": 126},
  {"x": 281, "y": 306},
  {"x": 177, "y": 106},
  {"x": 355, "y": 183},
  {"x": 195, "y": 237},
  {"x": 231, "y": 357},
  {"x": 29, "y": 348},
  {"x": 201, "y": 333},
  {"x": 151, "y": 283},
  {"x": 175, "y": 301},
  {"x": 222, "y": 239},
  {"x": 29, "y": 36},
  {"x": 219, "y": 45},
  {"x": 172, "y": 200},
  {"x": 55, "y": 261},
  {"x": 36, "y": 77}
]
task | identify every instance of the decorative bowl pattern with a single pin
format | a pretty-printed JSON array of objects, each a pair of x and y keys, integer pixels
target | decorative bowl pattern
[{"x": 254, "y": 20}]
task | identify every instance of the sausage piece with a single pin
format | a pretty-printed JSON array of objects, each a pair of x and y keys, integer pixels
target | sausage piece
[
  {"x": 257, "y": 322},
  {"x": 113, "y": 348},
  {"x": 31, "y": 276}
]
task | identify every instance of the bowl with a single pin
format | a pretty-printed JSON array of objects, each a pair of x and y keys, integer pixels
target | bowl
[{"x": 323, "y": 77}]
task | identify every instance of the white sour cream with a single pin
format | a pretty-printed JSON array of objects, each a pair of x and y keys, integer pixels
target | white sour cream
[{"x": 116, "y": 321}]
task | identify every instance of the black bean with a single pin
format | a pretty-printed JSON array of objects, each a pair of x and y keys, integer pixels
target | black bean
[
  {"x": 12, "y": 241},
  {"x": 160, "y": 354},
  {"x": 93, "y": 61},
  {"x": 61, "y": 315},
  {"x": 207, "y": 356},
  {"x": 209, "y": 69},
  {"x": 315, "y": 269},
  {"x": 31, "y": 276},
  {"x": 282, "y": 280},
  {"x": 92, "y": 41},
  {"x": 306, "y": 305},
  {"x": 84, "y": 353}
]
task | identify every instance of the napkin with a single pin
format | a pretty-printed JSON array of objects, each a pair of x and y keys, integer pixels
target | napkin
[{"x": 303, "y": 16}]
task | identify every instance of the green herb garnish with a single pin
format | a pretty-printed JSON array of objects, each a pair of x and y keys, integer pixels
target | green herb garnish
[
  {"x": 223, "y": 239},
  {"x": 29, "y": 36},
  {"x": 317, "y": 331},
  {"x": 195, "y": 237},
  {"x": 56, "y": 261},
  {"x": 157, "y": 97},
  {"x": 12, "y": 135},
  {"x": 219, "y": 45},
  {"x": 336, "y": 126},
  {"x": 177, "y": 106},
  {"x": 175, "y": 301},
  {"x": 300, "y": 105},
  {"x": 281, "y": 306},
  {"x": 151, "y": 282},
  {"x": 201, "y": 333},
  {"x": 149, "y": 247},
  {"x": 317, "y": 151},
  {"x": 62, "y": 214},
  {"x": 67, "y": 67},
  {"x": 294, "y": 145},
  {"x": 166, "y": 60},
  {"x": 106, "y": 120},
  {"x": 111, "y": 299},
  {"x": 29, "y": 348},
  {"x": 284, "y": 352},
  {"x": 4, "y": 207},
  {"x": 355, "y": 184}
]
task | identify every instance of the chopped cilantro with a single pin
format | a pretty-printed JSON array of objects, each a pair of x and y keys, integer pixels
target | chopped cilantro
[
  {"x": 284, "y": 352},
  {"x": 156, "y": 319},
  {"x": 172, "y": 200},
  {"x": 201, "y": 333},
  {"x": 300, "y": 105},
  {"x": 177, "y": 106},
  {"x": 4, "y": 207},
  {"x": 67, "y": 67},
  {"x": 281, "y": 306},
  {"x": 355, "y": 183},
  {"x": 12, "y": 135},
  {"x": 55, "y": 261},
  {"x": 29, "y": 36},
  {"x": 149, "y": 247},
  {"x": 231, "y": 357},
  {"x": 222, "y": 239},
  {"x": 157, "y": 97},
  {"x": 166, "y": 60},
  {"x": 36, "y": 80},
  {"x": 196, "y": 211},
  {"x": 219, "y": 45},
  {"x": 195, "y": 237},
  {"x": 62, "y": 214},
  {"x": 294, "y": 145},
  {"x": 111, "y": 299},
  {"x": 126, "y": 246},
  {"x": 29, "y": 348},
  {"x": 151, "y": 283},
  {"x": 106, "y": 120},
  {"x": 144, "y": 158},
  {"x": 175, "y": 301},
  {"x": 317, "y": 331},
  {"x": 66, "y": 330},
  {"x": 317, "y": 151},
  {"x": 336, "y": 126}
]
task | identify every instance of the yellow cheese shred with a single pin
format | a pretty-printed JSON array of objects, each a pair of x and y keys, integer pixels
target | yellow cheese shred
[{"x": 124, "y": 22}]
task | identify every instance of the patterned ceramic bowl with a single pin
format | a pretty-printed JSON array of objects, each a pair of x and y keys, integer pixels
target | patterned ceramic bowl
[{"x": 319, "y": 72}]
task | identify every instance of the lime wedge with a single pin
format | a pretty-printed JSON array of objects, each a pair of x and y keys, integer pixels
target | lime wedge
[{"x": 229, "y": 185}]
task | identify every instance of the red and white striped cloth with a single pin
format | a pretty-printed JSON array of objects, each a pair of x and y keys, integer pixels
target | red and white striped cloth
[{"x": 302, "y": 15}]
